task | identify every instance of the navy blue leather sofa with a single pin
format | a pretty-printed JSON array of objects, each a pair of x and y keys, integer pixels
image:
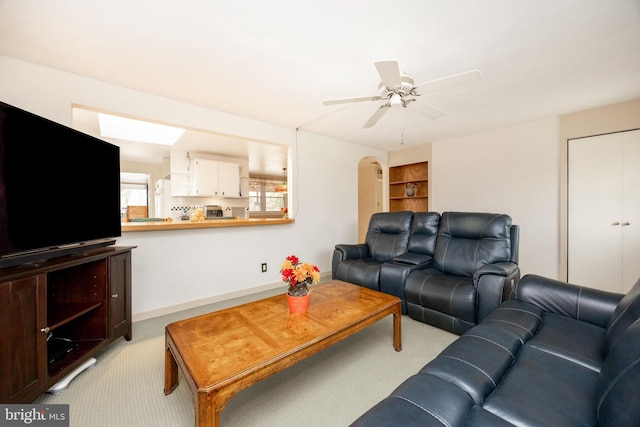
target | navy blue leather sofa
[
  {"x": 554, "y": 354},
  {"x": 449, "y": 270}
]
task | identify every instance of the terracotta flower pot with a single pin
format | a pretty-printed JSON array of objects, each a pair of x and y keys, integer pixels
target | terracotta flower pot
[{"x": 298, "y": 304}]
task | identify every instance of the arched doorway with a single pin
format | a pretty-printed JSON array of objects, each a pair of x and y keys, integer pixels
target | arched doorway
[{"x": 370, "y": 193}]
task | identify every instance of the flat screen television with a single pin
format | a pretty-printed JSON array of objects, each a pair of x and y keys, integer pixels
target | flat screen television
[{"x": 59, "y": 189}]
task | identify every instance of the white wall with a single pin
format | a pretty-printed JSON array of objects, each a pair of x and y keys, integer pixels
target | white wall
[
  {"x": 513, "y": 170},
  {"x": 520, "y": 170},
  {"x": 179, "y": 268}
]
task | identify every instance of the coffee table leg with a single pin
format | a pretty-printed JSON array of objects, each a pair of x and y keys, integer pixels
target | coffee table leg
[
  {"x": 208, "y": 409},
  {"x": 170, "y": 371},
  {"x": 397, "y": 328}
]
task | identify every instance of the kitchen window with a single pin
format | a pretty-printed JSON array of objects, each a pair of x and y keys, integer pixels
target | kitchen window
[
  {"x": 263, "y": 197},
  {"x": 134, "y": 191}
]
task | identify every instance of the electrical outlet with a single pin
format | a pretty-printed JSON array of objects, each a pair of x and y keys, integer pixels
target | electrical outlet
[{"x": 264, "y": 267}]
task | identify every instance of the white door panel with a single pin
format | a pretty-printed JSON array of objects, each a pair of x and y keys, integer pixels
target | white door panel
[
  {"x": 594, "y": 212},
  {"x": 631, "y": 209}
]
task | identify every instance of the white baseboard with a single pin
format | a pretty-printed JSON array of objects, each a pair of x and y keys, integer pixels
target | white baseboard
[{"x": 137, "y": 317}]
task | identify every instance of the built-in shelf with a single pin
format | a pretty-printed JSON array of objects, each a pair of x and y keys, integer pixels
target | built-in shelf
[{"x": 416, "y": 177}]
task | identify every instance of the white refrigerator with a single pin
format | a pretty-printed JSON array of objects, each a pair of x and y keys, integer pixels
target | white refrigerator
[{"x": 163, "y": 198}]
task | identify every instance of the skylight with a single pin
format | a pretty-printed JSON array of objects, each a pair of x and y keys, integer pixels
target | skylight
[{"x": 136, "y": 130}]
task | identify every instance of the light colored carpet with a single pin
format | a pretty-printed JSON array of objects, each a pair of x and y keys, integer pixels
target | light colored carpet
[{"x": 331, "y": 388}]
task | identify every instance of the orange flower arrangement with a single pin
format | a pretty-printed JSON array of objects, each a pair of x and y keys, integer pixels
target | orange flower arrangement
[{"x": 298, "y": 275}]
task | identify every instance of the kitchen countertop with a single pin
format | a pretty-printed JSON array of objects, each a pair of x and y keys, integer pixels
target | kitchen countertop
[{"x": 214, "y": 223}]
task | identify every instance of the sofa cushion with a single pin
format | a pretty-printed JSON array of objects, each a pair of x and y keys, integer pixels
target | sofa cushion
[
  {"x": 520, "y": 318},
  {"x": 544, "y": 390},
  {"x": 424, "y": 229},
  {"x": 452, "y": 295},
  {"x": 421, "y": 401},
  {"x": 466, "y": 241},
  {"x": 388, "y": 235},
  {"x": 617, "y": 398},
  {"x": 579, "y": 342},
  {"x": 477, "y": 361},
  {"x": 626, "y": 312}
]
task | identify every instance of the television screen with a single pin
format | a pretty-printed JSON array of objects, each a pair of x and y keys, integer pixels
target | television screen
[{"x": 58, "y": 187}]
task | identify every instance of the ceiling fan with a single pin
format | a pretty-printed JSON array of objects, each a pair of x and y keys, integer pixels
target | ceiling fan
[{"x": 398, "y": 90}]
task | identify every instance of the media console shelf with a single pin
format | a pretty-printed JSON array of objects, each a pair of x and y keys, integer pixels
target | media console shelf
[{"x": 78, "y": 303}]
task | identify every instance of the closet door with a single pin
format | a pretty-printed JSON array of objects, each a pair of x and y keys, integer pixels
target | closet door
[
  {"x": 630, "y": 209},
  {"x": 604, "y": 211},
  {"x": 594, "y": 212}
]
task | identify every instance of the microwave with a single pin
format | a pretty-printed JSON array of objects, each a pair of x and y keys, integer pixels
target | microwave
[{"x": 212, "y": 212}]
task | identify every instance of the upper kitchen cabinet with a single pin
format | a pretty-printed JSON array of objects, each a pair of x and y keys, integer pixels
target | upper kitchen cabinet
[
  {"x": 229, "y": 179},
  {"x": 181, "y": 174},
  {"x": 216, "y": 179},
  {"x": 182, "y": 184},
  {"x": 200, "y": 175},
  {"x": 206, "y": 180}
]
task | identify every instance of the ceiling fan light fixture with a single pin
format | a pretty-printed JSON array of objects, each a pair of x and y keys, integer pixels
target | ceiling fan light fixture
[{"x": 398, "y": 89}]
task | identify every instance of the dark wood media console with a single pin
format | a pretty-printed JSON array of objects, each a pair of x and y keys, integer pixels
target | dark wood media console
[{"x": 84, "y": 299}]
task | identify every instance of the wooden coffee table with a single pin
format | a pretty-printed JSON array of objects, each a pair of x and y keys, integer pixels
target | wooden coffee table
[{"x": 223, "y": 352}]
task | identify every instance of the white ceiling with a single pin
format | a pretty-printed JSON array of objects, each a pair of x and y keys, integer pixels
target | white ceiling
[{"x": 276, "y": 61}]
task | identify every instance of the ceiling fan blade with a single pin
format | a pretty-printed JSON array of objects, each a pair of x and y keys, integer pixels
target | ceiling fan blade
[
  {"x": 462, "y": 79},
  {"x": 376, "y": 116},
  {"x": 347, "y": 100},
  {"x": 426, "y": 110},
  {"x": 389, "y": 73}
]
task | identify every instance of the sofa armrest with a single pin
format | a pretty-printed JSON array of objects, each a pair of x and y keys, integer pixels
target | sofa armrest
[
  {"x": 579, "y": 302},
  {"x": 504, "y": 269},
  {"x": 414, "y": 259},
  {"x": 494, "y": 283},
  {"x": 356, "y": 251},
  {"x": 343, "y": 252}
]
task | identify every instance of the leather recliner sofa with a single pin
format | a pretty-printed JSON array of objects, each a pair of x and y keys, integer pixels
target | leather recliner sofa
[
  {"x": 387, "y": 238},
  {"x": 554, "y": 354},
  {"x": 396, "y": 243},
  {"x": 460, "y": 265},
  {"x": 475, "y": 266}
]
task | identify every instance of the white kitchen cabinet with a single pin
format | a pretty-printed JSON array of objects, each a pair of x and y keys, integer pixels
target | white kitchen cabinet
[
  {"x": 604, "y": 211},
  {"x": 182, "y": 184},
  {"x": 181, "y": 174},
  {"x": 206, "y": 178},
  {"x": 229, "y": 179},
  {"x": 216, "y": 179}
]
